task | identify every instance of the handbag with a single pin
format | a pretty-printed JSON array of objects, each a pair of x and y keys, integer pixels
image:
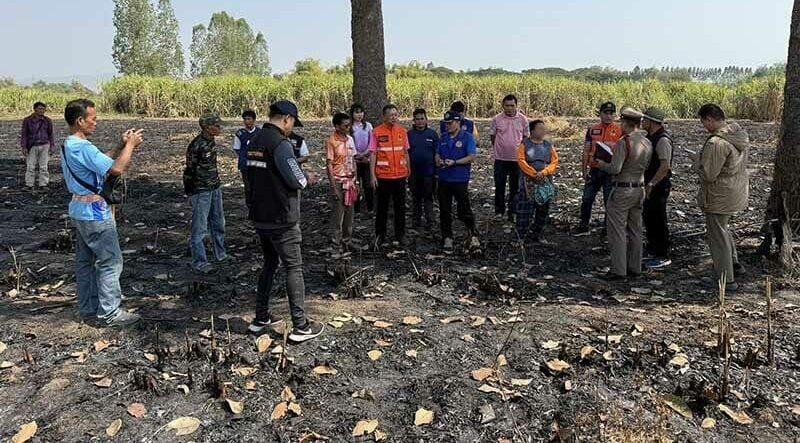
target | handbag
[
  {"x": 113, "y": 189},
  {"x": 544, "y": 191}
]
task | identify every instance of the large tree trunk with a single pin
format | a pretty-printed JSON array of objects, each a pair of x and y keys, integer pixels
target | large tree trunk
[
  {"x": 369, "y": 60},
  {"x": 784, "y": 201}
]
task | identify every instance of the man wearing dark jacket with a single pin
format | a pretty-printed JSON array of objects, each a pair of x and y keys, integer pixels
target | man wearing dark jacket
[{"x": 274, "y": 200}]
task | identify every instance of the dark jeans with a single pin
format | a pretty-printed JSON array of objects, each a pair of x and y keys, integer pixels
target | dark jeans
[
  {"x": 528, "y": 211},
  {"x": 394, "y": 190},
  {"x": 505, "y": 171},
  {"x": 654, "y": 215},
  {"x": 281, "y": 246},
  {"x": 246, "y": 188},
  {"x": 460, "y": 192},
  {"x": 598, "y": 180},
  {"x": 422, "y": 191},
  {"x": 367, "y": 194}
]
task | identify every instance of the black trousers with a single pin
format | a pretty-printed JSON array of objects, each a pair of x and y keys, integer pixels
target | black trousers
[
  {"x": 281, "y": 246},
  {"x": 505, "y": 171},
  {"x": 246, "y": 188},
  {"x": 422, "y": 193},
  {"x": 367, "y": 194},
  {"x": 654, "y": 215},
  {"x": 448, "y": 191},
  {"x": 393, "y": 190}
]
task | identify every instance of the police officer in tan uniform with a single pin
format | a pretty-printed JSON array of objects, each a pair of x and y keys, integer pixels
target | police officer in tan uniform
[{"x": 624, "y": 210}]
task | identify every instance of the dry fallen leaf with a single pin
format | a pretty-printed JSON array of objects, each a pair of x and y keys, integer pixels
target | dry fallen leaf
[
  {"x": 151, "y": 357},
  {"x": 796, "y": 409},
  {"x": 185, "y": 389},
  {"x": 310, "y": 436},
  {"x": 206, "y": 333},
  {"x": 451, "y": 319},
  {"x": 501, "y": 360},
  {"x": 236, "y": 406},
  {"x": 568, "y": 385},
  {"x": 114, "y": 427},
  {"x": 557, "y": 365},
  {"x": 679, "y": 360},
  {"x": 184, "y": 425},
  {"x": 336, "y": 324},
  {"x": 411, "y": 353},
  {"x": 280, "y": 410},
  {"x": 81, "y": 356},
  {"x": 585, "y": 329},
  {"x": 608, "y": 356},
  {"x": 137, "y": 410},
  {"x": 382, "y": 324},
  {"x": 295, "y": 408},
  {"x": 25, "y": 433},
  {"x": 550, "y": 344},
  {"x": 423, "y": 417},
  {"x": 104, "y": 383},
  {"x": 708, "y": 423},
  {"x": 674, "y": 347},
  {"x": 6, "y": 364},
  {"x": 325, "y": 370},
  {"x": 468, "y": 338},
  {"x": 739, "y": 417},
  {"x": 477, "y": 321},
  {"x": 379, "y": 435},
  {"x": 366, "y": 394},
  {"x": 374, "y": 354},
  {"x": 287, "y": 394},
  {"x": 382, "y": 343},
  {"x": 99, "y": 345},
  {"x": 244, "y": 371},
  {"x": 521, "y": 381},
  {"x": 482, "y": 374},
  {"x": 490, "y": 389},
  {"x": 586, "y": 350},
  {"x": 364, "y": 427},
  {"x": 412, "y": 320},
  {"x": 370, "y": 319},
  {"x": 3, "y": 347},
  {"x": 678, "y": 405},
  {"x": 277, "y": 350},
  {"x": 263, "y": 342},
  {"x": 249, "y": 385}
]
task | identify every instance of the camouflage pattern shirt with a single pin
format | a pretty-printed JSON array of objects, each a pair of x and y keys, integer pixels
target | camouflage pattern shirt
[{"x": 201, "y": 172}]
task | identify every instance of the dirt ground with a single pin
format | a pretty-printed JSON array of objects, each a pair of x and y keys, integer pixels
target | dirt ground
[{"x": 653, "y": 372}]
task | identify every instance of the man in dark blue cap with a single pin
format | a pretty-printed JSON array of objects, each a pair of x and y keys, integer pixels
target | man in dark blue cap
[
  {"x": 274, "y": 201},
  {"x": 454, "y": 156}
]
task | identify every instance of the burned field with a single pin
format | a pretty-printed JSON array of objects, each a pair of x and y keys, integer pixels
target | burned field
[{"x": 517, "y": 345}]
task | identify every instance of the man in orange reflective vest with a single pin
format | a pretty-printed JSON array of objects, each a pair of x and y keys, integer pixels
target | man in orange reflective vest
[
  {"x": 608, "y": 133},
  {"x": 389, "y": 163}
]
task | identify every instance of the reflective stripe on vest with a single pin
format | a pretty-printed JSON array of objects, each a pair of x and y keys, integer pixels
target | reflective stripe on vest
[{"x": 390, "y": 162}]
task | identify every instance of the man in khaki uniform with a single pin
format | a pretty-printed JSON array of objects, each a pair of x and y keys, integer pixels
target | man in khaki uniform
[
  {"x": 624, "y": 210},
  {"x": 724, "y": 186}
]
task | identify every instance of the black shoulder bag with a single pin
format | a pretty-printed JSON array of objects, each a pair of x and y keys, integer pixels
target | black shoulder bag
[{"x": 113, "y": 189}]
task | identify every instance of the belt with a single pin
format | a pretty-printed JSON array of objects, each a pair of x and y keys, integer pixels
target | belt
[
  {"x": 627, "y": 185},
  {"x": 86, "y": 198}
]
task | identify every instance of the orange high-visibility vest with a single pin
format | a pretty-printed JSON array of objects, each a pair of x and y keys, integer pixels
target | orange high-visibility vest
[
  {"x": 390, "y": 155},
  {"x": 601, "y": 133}
]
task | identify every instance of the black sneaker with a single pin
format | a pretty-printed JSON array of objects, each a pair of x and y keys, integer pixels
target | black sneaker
[
  {"x": 312, "y": 329},
  {"x": 257, "y": 325},
  {"x": 739, "y": 270},
  {"x": 581, "y": 231},
  {"x": 611, "y": 277}
]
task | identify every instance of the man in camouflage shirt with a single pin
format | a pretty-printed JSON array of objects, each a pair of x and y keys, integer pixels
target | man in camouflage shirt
[{"x": 201, "y": 182}]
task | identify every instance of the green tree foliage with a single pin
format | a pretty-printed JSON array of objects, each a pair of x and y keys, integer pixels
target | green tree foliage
[
  {"x": 228, "y": 46},
  {"x": 168, "y": 51},
  {"x": 308, "y": 66},
  {"x": 146, "y": 40},
  {"x": 132, "y": 47}
]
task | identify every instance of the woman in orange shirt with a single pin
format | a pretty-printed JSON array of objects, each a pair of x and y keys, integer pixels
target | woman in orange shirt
[{"x": 537, "y": 160}]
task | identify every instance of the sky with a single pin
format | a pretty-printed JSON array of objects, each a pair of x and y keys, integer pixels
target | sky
[{"x": 57, "y": 40}]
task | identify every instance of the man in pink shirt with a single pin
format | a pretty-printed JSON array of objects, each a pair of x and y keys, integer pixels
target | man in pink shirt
[{"x": 507, "y": 131}]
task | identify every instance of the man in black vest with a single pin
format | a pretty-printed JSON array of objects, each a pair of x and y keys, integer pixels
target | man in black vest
[
  {"x": 657, "y": 176},
  {"x": 274, "y": 201}
]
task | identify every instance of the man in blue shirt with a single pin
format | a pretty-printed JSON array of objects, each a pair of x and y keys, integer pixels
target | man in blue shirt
[
  {"x": 422, "y": 142},
  {"x": 98, "y": 259},
  {"x": 454, "y": 156}
]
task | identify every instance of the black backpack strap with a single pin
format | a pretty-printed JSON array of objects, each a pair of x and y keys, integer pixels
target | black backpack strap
[{"x": 78, "y": 179}]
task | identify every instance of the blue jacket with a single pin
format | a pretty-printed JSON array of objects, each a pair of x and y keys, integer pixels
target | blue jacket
[
  {"x": 455, "y": 148},
  {"x": 244, "y": 139},
  {"x": 422, "y": 151}
]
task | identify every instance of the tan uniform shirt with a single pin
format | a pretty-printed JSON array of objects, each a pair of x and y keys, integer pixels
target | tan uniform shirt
[{"x": 631, "y": 157}]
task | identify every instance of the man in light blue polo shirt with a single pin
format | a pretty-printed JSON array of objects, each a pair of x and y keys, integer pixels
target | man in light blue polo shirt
[{"x": 98, "y": 259}]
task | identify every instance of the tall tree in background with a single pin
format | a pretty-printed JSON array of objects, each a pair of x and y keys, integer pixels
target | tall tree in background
[
  {"x": 132, "y": 48},
  {"x": 369, "y": 58},
  {"x": 784, "y": 200},
  {"x": 228, "y": 46},
  {"x": 168, "y": 52}
]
